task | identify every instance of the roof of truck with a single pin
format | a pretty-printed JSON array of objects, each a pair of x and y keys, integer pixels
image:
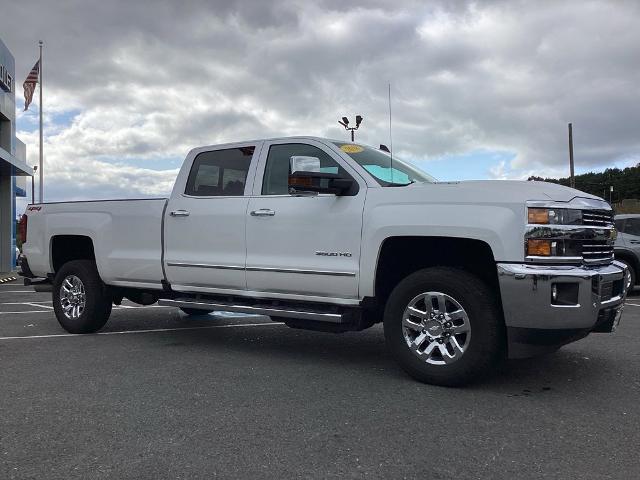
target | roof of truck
[{"x": 271, "y": 139}]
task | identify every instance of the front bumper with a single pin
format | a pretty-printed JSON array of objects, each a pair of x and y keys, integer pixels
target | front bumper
[{"x": 590, "y": 300}]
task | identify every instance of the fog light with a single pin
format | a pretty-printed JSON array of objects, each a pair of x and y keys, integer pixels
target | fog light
[
  {"x": 564, "y": 294},
  {"x": 539, "y": 248}
]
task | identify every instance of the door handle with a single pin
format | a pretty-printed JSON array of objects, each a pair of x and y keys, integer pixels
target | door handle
[
  {"x": 263, "y": 212},
  {"x": 634, "y": 241},
  {"x": 179, "y": 213}
]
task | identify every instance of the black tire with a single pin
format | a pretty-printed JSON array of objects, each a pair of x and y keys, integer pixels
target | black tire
[
  {"x": 486, "y": 344},
  {"x": 195, "y": 311},
  {"x": 632, "y": 271},
  {"x": 98, "y": 302}
]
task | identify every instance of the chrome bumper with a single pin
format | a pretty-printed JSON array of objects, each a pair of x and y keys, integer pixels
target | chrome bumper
[{"x": 536, "y": 322}]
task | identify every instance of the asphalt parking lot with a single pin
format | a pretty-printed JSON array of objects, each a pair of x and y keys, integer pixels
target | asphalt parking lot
[{"x": 160, "y": 395}]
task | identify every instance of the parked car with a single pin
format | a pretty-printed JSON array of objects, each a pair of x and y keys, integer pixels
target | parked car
[
  {"x": 627, "y": 246},
  {"x": 336, "y": 236}
]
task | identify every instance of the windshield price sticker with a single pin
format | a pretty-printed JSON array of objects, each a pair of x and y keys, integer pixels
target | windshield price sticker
[{"x": 351, "y": 148}]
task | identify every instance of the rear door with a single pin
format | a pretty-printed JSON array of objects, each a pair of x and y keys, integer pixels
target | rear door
[
  {"x": 303, "y": 245},
  {"x": 205, "y": 222}
]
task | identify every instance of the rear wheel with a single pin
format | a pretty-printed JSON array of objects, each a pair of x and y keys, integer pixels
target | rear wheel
[
  {"x": 81, "y": 301},
  {"x": 443, "y": 326},
  {"x": 195, "y": 311}
]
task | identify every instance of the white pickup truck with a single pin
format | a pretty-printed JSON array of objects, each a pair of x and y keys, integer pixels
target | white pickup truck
[{"x": 336, "y": 236}]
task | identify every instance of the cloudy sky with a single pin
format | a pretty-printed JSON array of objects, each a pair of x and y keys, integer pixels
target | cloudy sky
[{"x": 479, "y": 89}]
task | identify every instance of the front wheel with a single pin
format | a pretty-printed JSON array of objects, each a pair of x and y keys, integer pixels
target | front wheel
[
  {"x": 81, "y": 301},
  {"x": 443, "y": 326}
]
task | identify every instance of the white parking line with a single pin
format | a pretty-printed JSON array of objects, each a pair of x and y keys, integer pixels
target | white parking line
[
  {"x": 26, "y": 311},
  {"x": 633, "y": 304},
  {"x": 18, "y": 291},
  {"x": 124, "y": 332},
  {"x": 33, "y": 304},
  {"x": 25, "y": 303}
]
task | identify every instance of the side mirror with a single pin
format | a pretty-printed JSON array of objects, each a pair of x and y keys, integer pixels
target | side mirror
[
  {"x": 303, "y": 183},
  {"x": 306, "y": 178},
  {"x": 304, "y": 164}
]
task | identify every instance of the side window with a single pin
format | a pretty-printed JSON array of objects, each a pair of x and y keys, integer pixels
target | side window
[
  {"x": 219, "y": 173},
  {"x": 632, "y": 227},
  {"x": 278, "y": 167},
  {"x": 620, "y": 225}
]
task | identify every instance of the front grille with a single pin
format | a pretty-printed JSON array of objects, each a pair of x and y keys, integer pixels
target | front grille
[
  {"x": 597, "y": 218},
  {"x": 597, "y": 251},
  {"x": 607, "y": 290}
]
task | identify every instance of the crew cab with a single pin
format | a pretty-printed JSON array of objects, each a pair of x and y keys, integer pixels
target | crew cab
[{"x": 337, "y": 236}]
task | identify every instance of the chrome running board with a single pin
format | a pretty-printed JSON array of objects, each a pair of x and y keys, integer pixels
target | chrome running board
[{"x": 254, "y": 309}]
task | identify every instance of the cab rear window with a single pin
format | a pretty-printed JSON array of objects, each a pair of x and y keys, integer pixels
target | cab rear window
[{"x": 220, "y": 172}]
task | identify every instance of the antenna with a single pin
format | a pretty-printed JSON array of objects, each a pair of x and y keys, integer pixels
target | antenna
[{"x": 390, "y": 138}]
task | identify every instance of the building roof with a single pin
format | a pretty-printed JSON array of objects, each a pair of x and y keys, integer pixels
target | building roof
[{"x": 11, "y": 166}]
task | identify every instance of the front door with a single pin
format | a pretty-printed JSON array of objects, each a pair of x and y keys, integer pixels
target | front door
[
  {"x": 302, "y": 245},
  {"x": 205, "y": 224}
]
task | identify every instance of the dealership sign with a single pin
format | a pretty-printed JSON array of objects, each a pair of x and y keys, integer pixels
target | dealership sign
[{"x": 6, "y": 80}]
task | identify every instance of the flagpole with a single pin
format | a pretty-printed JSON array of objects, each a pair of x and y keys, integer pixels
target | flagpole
[{"x": 41, "y": 155}]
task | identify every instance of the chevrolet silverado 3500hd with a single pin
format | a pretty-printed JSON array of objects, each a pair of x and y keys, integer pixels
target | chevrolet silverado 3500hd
[{"x": 337, "y": 236}]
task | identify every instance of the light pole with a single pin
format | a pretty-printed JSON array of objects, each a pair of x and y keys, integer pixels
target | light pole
[
  {"x": 345, "y": 124},
  {"x": 33, "y": 184}
]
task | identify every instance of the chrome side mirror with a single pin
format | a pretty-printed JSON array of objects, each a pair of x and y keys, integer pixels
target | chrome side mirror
[{"x": 301, "y": 163}]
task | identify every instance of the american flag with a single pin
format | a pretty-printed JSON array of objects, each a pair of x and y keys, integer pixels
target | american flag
[{"x": 29, "y": 84}]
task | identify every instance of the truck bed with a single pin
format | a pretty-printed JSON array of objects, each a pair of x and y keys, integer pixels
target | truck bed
[{"x": 126, "y": 236}]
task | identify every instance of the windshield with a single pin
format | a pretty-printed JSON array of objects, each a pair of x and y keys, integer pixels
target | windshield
[{"x": 379, "y": 164}]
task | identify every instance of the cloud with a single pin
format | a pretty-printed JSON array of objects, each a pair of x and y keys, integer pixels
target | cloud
[{"x": 147, "y": 83}]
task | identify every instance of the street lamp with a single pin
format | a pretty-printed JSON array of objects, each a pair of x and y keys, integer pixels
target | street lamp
[
  {"x": 345, "y": 123},
  {"x": 33, "y": 184}
]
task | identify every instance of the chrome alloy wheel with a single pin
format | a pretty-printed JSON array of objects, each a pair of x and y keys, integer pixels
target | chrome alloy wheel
[
  {"x": 627, "y": 279},
  {"x": 72, "y": 297},
  {"x": 436, "y": 328}
]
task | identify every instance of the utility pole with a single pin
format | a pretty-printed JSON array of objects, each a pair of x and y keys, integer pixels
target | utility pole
[
  {"x": 572, "y": 178},
  {"x": 610, "y": 194}
]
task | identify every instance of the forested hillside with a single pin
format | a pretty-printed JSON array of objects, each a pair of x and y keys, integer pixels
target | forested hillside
[{"x": 626, "y": 183}]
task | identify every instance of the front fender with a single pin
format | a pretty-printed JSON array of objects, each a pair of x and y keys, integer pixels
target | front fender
[{"x": 500, "y": 227}]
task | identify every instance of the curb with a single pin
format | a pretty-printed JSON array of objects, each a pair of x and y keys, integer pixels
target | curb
[{"x": 7, "y": 279}]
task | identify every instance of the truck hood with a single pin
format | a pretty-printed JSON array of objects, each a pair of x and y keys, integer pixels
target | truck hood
[{"x": 518, "y": 191}]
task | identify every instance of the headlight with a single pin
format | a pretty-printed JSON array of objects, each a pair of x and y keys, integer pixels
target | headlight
[
  {"x": 554, "y": 216},
  {"x": 539, "y": 248},
  {"x": 580, "y": 231}
]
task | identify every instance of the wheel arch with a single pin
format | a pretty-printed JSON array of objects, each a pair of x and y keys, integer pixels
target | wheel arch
[
  {"x": 65, "y": 248},
  {"x": 400, "y": 256}
]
